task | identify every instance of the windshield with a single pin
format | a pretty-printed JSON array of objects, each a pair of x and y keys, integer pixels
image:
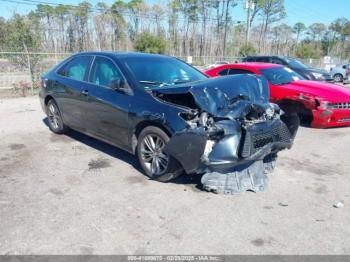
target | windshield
[
  {"x": 280, "y": 75},
  {"x": 295, "y": 63},
  {"x": 161, "y": 71}
]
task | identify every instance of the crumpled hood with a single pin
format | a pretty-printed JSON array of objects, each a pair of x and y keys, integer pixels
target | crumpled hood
[
  {"x": 224, "y": 96},
  {"x": 326, "y": 91}
]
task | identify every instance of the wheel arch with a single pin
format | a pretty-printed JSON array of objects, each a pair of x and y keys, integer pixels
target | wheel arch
[
  {"x": 290, "y": 106},
  {"x": 340, "y": 74},
  {"x": 47, "y": 99},
  {"x": 142, "y": 125}
]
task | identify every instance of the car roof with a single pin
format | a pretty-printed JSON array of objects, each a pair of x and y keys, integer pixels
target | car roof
[
  {"x": 121, "y": 54},
  {"x": 256, "y": 56},
  {"x": 255, "y": 65}
]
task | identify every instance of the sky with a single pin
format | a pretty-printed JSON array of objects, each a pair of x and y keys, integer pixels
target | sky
[{"x": 306, "y": 11}]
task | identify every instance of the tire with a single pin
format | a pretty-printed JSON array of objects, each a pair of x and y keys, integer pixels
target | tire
[
  {"x": 338, "y": 78},
  {"x": 153, "y": 161},
  {"x": 56, "y": 124}
]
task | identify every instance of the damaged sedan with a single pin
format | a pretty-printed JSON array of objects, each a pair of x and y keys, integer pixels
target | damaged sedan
[{"x": 171, "y": 116}]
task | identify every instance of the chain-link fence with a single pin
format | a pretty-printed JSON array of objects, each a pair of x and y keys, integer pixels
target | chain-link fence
[{"x": 22, "y": 70}]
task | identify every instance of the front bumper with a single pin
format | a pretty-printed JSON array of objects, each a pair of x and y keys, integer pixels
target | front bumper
[
  {"x": 42, "y": 100},
  {"x": 330, "y": 118},
  {"x": 240, "y": 146},
  {"x": 329, "y": 79}
]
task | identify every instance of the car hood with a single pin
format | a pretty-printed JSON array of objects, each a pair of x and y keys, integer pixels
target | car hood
[
  {"x": 323, "y": 90},
  {"x": 223, "y": 96},
  {"x": 320, "y": 71},
  {"x": 311, "y": 70}
]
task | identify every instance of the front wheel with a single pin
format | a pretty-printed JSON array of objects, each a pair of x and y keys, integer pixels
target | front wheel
[
  {"x": 154, "y": 161},
  {"x": 338, "y": 78}
]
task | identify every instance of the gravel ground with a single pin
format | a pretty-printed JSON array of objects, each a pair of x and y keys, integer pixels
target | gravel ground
[{"x": 70, "y": 194}]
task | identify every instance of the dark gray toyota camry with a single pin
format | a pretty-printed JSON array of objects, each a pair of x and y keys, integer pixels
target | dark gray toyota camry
[{"x": 171, "y": 116}]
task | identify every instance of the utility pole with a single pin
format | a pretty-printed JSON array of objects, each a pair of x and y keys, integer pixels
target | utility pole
[
  {"x": 225, "y": 29},
  {"x": 29, "y": 64},
  {"x": 248, "y": 6}
]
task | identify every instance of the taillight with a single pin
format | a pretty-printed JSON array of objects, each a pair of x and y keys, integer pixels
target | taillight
[{"x": 43, "y": 83}]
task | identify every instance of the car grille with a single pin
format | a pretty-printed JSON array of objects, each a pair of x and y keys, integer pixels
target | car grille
[
  {"x": 254, "y": 139},
  {"x": 345, "y": 105},
  {"x": 262, "y": 140},
  {"x": 344, "y": 120}
]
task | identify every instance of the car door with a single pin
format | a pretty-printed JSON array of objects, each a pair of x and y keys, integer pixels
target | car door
[
  {"x": 68, "y": 86},
  {"x": 108, "y": 109}
]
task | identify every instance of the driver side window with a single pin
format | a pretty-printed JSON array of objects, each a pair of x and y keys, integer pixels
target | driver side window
[
  {"x": 104, "y": 72},
  {"x": 237, "y": 71},
  {"x": 278, "y": 61}
]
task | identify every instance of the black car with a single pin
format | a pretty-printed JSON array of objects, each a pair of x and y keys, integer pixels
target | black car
[
  {"x": 171, "y": 116},
  {"x": 308, "y": 73}
]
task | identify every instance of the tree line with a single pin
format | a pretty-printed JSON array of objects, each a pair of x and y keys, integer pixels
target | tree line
[{"x": 199, "y": 28}]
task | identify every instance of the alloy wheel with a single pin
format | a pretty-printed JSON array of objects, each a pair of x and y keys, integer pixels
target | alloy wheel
[
  {"x": 54, "y": 116},
  {"x": 152, "y": 155},
  {"x": 338, "y": 78}
]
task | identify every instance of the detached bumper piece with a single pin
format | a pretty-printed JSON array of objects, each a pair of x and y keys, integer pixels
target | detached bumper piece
[
  {"x": 252, "y": 178},
  {"x": 260, "y": 144}
]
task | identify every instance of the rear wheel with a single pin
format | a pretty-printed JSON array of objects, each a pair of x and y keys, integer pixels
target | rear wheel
[
  {"x": 56, "y": 124},
  {"x": 154, "y": 161},
  {"x": 338, "y": 78}
]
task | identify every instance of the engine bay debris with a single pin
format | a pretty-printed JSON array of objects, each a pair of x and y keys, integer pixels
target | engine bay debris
[{"x": 233, "y": 133}]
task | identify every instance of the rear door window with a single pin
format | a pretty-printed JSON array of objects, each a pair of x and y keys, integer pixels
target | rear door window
[
  {"x": 76, "y": 68},
  {"x": 248, "y": 59},
  {"x": 275, "y": 60},
  {"x": 104, "y": 72},
  {"x": 223, "y": 72},
  {"x": 263, "y": 59},
  {"x": 237, "y": 71}
]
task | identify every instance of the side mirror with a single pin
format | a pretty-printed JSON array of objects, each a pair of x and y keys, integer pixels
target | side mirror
[
  {"x": 344, "y": 66},
  {"x": 117, "y": 84}
]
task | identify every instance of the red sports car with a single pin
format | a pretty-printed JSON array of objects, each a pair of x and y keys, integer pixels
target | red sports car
[{"x": 321, "y": 104}]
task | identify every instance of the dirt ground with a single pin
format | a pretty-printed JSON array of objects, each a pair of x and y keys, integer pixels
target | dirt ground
[{"x": 71, "y": 194}]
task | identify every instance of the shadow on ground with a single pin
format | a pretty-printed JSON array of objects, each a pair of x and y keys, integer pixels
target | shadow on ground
[{"x": 193, "y": 181}]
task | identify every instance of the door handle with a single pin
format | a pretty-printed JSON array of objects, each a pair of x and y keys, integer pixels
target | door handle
[{"x": 85, "y": 92}]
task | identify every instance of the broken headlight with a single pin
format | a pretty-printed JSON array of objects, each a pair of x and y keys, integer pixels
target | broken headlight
[{"x": 272, "y": 110}]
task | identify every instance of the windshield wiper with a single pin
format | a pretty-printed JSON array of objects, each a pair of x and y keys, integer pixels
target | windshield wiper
[{"x": 157, "y": 83}]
